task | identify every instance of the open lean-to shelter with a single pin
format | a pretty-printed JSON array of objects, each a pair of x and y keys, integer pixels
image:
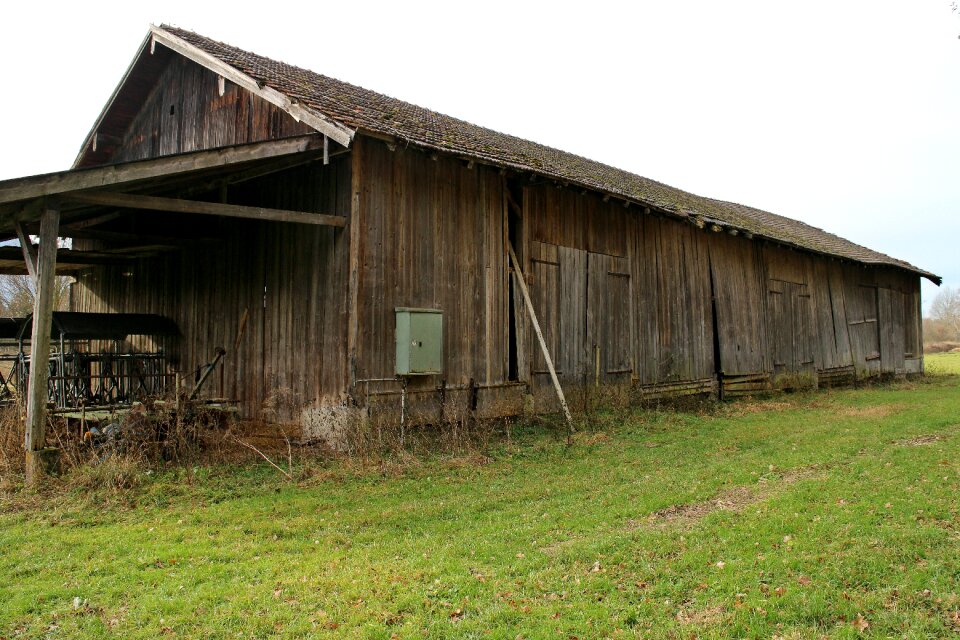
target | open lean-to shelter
[{"x": 347, "y": 249}]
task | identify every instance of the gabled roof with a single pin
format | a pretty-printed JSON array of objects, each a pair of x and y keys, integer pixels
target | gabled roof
[{"x": 349, "y": 108}]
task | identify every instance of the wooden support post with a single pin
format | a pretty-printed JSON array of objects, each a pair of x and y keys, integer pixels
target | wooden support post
[
  {"x": 543, "y": 343},
  {"x": 39, "y": 458},
  {"x": 353, "y": 274},
  {"x": 28, "y": 255}
]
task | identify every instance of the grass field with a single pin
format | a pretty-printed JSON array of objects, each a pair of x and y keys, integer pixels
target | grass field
[
  {"x": 831, "y": 514},
  {"x": 942, "y": 363}
]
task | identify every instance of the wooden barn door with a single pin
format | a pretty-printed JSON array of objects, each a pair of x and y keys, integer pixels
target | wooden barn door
[
  {"x": 890, "y": 312},
  {"x": 864, "y": 330},
  {"x": 558, "y": 290},
  {"x": 582, "y": 301},
  {"x": 609, "y": 319},
  {"x": 791, "y": 325}
]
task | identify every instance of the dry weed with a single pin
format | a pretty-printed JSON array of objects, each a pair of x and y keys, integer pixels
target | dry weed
[
  {"x": 874, "y": 411},
  {"x": 11, "y": 443},
  {"x": 920, "y": 441}
]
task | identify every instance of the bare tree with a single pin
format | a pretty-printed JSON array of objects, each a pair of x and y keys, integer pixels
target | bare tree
[
  {"x": 945, "y": 309},
  {"x": 17, "y": 293}
]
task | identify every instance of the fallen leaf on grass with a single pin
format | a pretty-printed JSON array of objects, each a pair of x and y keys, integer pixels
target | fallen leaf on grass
[
  {"x": 955, "y": 619},
  {"x": 804, "y": 581},
  {"x": 860, "y": 623}
]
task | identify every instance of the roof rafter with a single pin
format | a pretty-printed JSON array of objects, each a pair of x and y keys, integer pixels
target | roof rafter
[
  {"x": 176, "y": 205},
  {"x": 20, "y": 189}
]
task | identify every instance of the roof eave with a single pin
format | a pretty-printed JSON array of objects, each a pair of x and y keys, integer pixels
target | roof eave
[
  {"x": 652, "y": 206},
  {"x": 88, "y": 141}
]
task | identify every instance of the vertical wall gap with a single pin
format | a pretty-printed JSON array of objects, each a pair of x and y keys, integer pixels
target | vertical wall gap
[
  {"x": 514, "y": 237},
  {"x": 717, "y": 366}
]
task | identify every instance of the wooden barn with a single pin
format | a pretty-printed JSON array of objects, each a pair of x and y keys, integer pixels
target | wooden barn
[{"x": 347, "y": 249}]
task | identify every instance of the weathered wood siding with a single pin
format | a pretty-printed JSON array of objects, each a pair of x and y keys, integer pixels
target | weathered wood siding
[
  {"x": 623, "y": 296},
  {"x": 739, "y": 296},
  {"x": 776, "y": 312},
  {"x": 790, "y": 311},
  {"x": 610, "y": 282},
  {"x": 672, "y": 302},
  {"x": 830, "y": 295},
  {"x": 185, "y": 112},
  {"x": 432, "y": 235},
  {"x": 289, "y": 278}
]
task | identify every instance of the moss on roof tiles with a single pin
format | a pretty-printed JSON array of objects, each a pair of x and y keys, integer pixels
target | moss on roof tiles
[{"x": 360, "y": 108}]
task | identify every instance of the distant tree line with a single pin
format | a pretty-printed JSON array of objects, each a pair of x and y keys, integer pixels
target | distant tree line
[
  {"x": 943, "y": 323},
  {"x": 17, "y": 293}
]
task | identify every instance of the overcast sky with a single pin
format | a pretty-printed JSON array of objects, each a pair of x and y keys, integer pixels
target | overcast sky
[{"x": 841, "y": 113}]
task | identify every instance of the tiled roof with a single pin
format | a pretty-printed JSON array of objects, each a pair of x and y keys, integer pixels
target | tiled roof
[{"x": 367, "y": 110}]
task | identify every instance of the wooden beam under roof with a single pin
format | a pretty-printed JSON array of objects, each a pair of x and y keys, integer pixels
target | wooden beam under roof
[
  {"x": 29, "y": 254},
  {"x": 175, "y": 205},
  {"x": 20, "y": 189},
  {"x": 84, "y": 233},
  {"x": 11, "y": 257}
]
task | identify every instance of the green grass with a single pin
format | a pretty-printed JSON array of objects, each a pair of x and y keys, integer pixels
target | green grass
[
  {"x": 847, "y": 525},
  {"x": 941, "y": 363}
]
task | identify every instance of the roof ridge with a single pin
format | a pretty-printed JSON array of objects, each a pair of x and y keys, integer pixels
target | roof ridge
[
  {"x": 179, "y": 30},
  {"x": 360, "y": 108}
]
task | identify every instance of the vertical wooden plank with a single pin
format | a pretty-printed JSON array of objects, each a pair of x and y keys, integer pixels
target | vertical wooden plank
[
  {"x": 572, "y": 335},
  {"x": 617, "y": 346},
  {"x": 355, "y": 229},
  {"x": 35, "y": 432},
  {"x": 738, "y": 294}
]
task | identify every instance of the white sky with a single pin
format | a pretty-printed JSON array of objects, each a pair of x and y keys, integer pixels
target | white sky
[{"x": 842, "y": 113}]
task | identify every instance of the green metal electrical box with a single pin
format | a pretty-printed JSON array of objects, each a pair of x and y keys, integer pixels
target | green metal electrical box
[{"x": 419, "y": 341}]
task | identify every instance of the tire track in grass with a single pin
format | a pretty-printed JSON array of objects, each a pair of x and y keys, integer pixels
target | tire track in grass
[{"x": 733, "y": 500}]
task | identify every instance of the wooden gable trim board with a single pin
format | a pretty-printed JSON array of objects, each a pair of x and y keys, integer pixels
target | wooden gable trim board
[
  {"x": 296, "y": 110},
  {"x": 91, "y": 140}
]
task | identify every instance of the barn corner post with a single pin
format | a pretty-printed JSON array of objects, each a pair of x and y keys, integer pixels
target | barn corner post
[{"x": 39, "y": 459}]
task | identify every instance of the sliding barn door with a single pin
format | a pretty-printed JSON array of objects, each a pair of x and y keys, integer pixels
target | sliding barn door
[
  {"x": 790, "y": 314},
  {"x": 609, "y": 319},
  {"x": 890, "y": 314},
  {"x": 582, "y": 301},
  {"x": 864, "y": 330},
  {"x": 558, "y": 290}
]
